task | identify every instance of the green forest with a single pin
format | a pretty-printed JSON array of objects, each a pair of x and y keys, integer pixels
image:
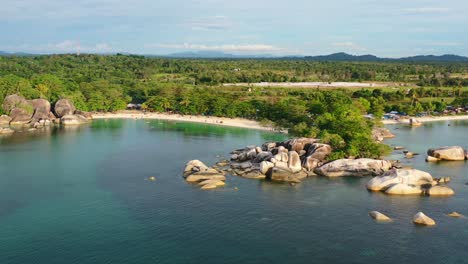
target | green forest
[{"x": 101, "y": 83}]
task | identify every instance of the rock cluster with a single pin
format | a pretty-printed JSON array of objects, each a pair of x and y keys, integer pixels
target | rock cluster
[
  {"x": 295, "y": 159},
  {"x": 453, "y": 153},
  {"x": 207, "y": 178},
  {"x": 380, "y": 133},
  {"x": 286, "y": 161},
  {"x": 38, "y": 113},
  {"x": 408, "y": 182}
]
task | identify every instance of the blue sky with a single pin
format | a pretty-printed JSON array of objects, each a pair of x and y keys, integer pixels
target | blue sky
[{"x": 307, "y": 27}]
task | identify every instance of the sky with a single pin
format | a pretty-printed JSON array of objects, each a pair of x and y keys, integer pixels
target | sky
[{"x": 386, "y": 28}]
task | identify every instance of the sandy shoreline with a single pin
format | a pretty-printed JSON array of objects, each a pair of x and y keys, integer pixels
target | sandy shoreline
[
  {"x": 427, "y": 119},
  {"x": 211, "y": 120}
]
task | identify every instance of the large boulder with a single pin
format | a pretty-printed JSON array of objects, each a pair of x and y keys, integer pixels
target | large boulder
[
  {"x": 298, "y": 144},
  {"x": 294, "y": 161},
  {"x": 453, "y": 153},
  {"x": 319, "y": 151},
  {"x": 282, "y": 175},
  {"x": 197, "y": 171},
  {"x": 20, "y": 116},
  {"x": 422, "y": 219},
  {"x": 265, "y": 166},
  {"x": 13, "y": 101},
  {"x": 310, "y": 163},
  {"x": 71, "y": 120},
  {"x": 379, "y": 134},
  {"x": 41, "y": 109},
  {"x": 64, "y": 107},
  {"x": 354, "y": 167},
  {"x": 411, "y": 177}
]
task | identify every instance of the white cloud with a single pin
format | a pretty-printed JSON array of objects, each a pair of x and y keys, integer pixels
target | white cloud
[
  {"x": 210, "y": 23},
  {"x": 425, "y": 10},
  {"x": 445, "y": 44},
  {"x": 66, "y": 46},
  {"x": 349, "y": 45},
  {"x": 226, "y": 47}
]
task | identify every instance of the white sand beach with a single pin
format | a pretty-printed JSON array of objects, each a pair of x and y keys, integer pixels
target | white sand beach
[
  {"x": 212, "y": 120},
  {"x": 428, "y": 119}
]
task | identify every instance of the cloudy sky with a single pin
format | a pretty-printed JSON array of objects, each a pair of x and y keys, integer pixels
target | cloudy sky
[{"x": 389, "y": 28}]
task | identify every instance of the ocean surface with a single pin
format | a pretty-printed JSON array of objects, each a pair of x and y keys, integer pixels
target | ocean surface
[{"x": 81, "y": 195}]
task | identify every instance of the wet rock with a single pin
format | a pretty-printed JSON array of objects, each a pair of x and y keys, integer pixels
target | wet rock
[
  {"x": 71, "y": 120},
  {"x": 439, "y": 190},
  {"x": 198, "y": 177},
  {"x": 453, "y": 153},
  {"x": 265, "y": 166},
  {"x": 351, "y": 167},
  {"x": 379, "y": 216},
  {"x": 6, "y": 131},
  {"x": 283, "y": 175},
  {"x": 431, "y": 159},
  {"x": 217, "y": 183},
  {"x": 422, "y": 219},
  {"x": 403, "y": 189},
  {"x": 456, "y": 215},
  {"x": 411, "y": 177}
]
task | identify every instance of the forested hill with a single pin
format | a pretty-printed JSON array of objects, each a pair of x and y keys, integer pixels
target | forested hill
[
  {"x": 344, "y": 57},
  {"x": 372, "y": 58}
]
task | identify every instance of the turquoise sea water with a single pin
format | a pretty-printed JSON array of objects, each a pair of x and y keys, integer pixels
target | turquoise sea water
[{"x": 81, "y": 196}]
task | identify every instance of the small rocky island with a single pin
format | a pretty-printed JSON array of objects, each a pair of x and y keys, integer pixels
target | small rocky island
[
  {"x": 293, "y": 160},
  {"x": 38, "y": 113}
]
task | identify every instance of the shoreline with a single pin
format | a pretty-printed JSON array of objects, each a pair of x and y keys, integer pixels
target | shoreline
[
  {"x": 426, "y": 119},
  {"x": 210, "y": 120}
]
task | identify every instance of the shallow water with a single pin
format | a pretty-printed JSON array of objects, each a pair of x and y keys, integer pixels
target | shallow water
[{"x": 81, "y": 196}]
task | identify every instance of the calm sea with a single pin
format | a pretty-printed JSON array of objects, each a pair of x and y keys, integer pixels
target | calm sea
[{"x": 82, "y": 196}]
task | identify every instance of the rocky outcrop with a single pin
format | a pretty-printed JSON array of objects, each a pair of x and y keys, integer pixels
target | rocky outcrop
[
  {"x": 5, "y": 121},
  {"x": 6, "y": 131},
  {"x": 71, "y": 120},
  {"x": 456, "y": 215},
  {"x": 453, "y": 153},
  {"x": 379, "y": 216},
  {"x": 64, "y": 107},
  {"x": 410, "y": 177},
  {"x": 20, "y": 116},
  {"x": 422, "y": 219},
  {"x": 380, "y": 133},
  {"x": 88, "y": 115},
  {"x": 196, "y": 171},
  {"x": 41, "y": 109},
  {"x": 287, "y": 161},
  {"x": 13, "y": 101},
  {"x": 351, "y": 167}
]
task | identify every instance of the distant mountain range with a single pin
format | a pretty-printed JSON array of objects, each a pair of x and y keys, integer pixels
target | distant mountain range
[
  {"x": 332, "y": 57},
  {"x": 420, "y": 58}
]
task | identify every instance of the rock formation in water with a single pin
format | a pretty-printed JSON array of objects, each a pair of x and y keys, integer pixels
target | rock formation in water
[
  {"x": 378, "y": 216},
  {"x": 409, "y": 182},
  {"x": 196, "y": 171},
  {"x": 453, "y": 153},
  {"x": 422, "y": 219},
  {"x": 37, "y": 113}
]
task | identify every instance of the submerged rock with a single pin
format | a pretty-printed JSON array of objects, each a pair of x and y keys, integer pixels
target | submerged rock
[
  {"x": 379, "y": 216},
  {"x": 354, "y": 167},
  {"x": 456, "y": 215},
  {"x": 282, "y": 175},
  {"x": 453, "y": 153},
  {"x": 422, "y": 219}
]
